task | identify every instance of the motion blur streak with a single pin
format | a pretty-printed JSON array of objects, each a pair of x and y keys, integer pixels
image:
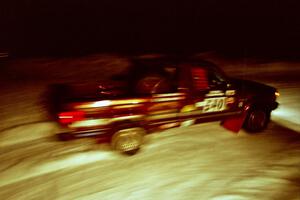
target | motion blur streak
[
  {"x": 287, "y": 118},
  {"x": 199, "y": 162},
  {"x": 74, "y": 161},
  {"x": 55, "y": 164}
]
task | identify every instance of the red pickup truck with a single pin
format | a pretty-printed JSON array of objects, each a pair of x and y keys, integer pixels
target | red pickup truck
[{"x": 156, "y": 95}]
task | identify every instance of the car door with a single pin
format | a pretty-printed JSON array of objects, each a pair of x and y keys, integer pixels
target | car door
[
  {"x": 211, "y": 95},
  {"x": 165, "y": 99},
  {"x": 225, "y": 93}
]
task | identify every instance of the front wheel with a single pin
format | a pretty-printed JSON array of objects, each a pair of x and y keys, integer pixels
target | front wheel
[{"x": 257, "y": 120}]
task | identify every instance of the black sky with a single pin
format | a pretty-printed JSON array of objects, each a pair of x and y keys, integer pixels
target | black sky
[{"x": 86, "y": 26}]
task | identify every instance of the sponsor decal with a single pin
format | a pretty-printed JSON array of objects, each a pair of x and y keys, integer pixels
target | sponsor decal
[
  {"x": 214, "y": 93},
  {"x": 164, "y": 99},
  {"x": 187, "y": 109},
  {"x": 105, "y": 103},
  {"x": 169, "y": 94},
  {"x": 230, "y": 100},
  {"x": 212, "y": 104},
  {"x": 169, "y": 125},
  {"x": 103, "y": 121},
  {"x": 230, "y": 92}
]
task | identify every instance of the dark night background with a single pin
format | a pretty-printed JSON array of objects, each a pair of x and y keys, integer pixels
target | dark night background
[{"x": 77, "y": 27}]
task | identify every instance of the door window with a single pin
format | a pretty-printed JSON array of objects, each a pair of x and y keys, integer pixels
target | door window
[{"x": 215, "y": 79}]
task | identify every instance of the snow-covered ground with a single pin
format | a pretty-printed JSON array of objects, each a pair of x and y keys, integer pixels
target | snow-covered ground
[{"x": 203, "y": 161}]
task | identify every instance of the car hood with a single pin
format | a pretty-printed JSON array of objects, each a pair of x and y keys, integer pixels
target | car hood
[{"x": 252, "y": 87}]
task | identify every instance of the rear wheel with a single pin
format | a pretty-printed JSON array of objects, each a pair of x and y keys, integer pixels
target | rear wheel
[
  {"x": 128, "y": 140},
  {"x": 257, "y": 120}
]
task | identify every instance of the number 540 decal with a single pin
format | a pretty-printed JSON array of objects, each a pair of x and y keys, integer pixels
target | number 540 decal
[{"x": 213, "y": 104}]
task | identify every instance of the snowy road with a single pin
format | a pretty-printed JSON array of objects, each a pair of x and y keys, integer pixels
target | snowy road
[{"x": 200, "y": 162}]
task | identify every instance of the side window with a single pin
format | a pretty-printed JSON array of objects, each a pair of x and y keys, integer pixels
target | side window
[
  {"x": 153, "y": 84},
  {"x": 215, "y": 79},
  {"x": 199, "y": 76},
  {"x": 157, "y": 83}
]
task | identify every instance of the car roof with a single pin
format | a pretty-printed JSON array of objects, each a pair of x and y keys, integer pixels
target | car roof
[
  {"x": 140, "y": 66},
  {"x": 172, "y": 61}
]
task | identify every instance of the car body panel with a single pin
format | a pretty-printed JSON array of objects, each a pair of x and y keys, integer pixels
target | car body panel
[{"x": 159, "y": 99}]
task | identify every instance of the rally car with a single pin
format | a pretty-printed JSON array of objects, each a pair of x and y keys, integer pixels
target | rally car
[{"x": 155, "y": 95}]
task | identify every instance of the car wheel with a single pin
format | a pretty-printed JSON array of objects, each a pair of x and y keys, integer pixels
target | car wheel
[
  {"x": 257, "y": 120},
  {"x": 128, "y": 140}
]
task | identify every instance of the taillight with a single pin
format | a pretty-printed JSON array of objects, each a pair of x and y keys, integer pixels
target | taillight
[{"x": 69, "y": 117}]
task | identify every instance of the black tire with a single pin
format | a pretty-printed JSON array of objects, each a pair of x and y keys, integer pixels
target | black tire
[
  {"x": 132, "y": 152},
  {"x": 257, "y": 120}
]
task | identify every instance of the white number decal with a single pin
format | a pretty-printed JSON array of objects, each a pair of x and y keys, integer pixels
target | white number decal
[{"x": 214, "y": 104}]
